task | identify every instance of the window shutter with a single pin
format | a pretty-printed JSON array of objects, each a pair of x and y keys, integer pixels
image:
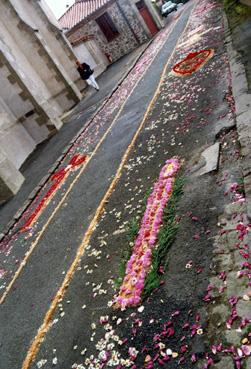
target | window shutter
[{"x": 107, "y": 27}]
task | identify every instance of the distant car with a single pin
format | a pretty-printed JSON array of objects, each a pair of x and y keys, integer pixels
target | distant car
[
  {"x": 167, "y": 8},
  {"x": 179, "y": 5}
]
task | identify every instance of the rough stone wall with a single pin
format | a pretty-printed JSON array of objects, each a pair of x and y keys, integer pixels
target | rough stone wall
[
  {"x": 10, "y": 178},
  {"x": 134, "y": 18},
  {"x": 156, "y": 15},
  {"x": 40, "y": 87},
  {"x": 125, "y": 41},
  {"x": 30, "y": 61},
  {"x": 60, "y": 47}
]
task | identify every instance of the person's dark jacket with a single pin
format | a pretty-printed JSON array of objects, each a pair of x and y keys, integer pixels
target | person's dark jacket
[{"x": 85, "y": 71}]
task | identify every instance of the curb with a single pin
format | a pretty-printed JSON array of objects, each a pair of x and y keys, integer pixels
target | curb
[
  {"x": 243, "y": 112},
  {"x": 57, "y": 163}
]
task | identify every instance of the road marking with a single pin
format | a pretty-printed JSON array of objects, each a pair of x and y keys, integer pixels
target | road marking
[
  {"x": 34, "y": 348},
  {"x": 40, "y": 233}
]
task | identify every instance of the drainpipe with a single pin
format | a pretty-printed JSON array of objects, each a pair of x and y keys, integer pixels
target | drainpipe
[{"x": 127, "y": 21}]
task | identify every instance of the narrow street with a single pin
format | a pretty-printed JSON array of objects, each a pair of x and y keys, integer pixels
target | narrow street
[
  {"x": 59, "y": 264},
  {"x": 46, "y": 155}
]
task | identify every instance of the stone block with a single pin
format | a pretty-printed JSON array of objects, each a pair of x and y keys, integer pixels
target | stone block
[
  {"x": 248, "y": 363},
  {"x": 15, "y": 142},
  {"x": 244, "y": 138},
  {"x": 53, "y": 168},
  {"x": 246, "y": 168},
  {"x": 247, "y": 185},
  {"x": 220, "y": 314},
  {"x": 223, "y": 126},
  {"x": 198, "y": 346},
  {"x": 224, "y": 245},
  {"x": 211, "y": 157},
  {"x": 243, "y": 120},
  {"x": 10, "y": 179},
  {"x": 33, "y": 193},
  {"x": 238, "y": 259},
  {"x": 244, "y": 309},
  {"x": 19, "y": 213},
  {"x": 225, "y": 363},
  {"x": 44, "y": 180},
  {"x": 236, "y": 286},
  {"x": 234, "y": 208},
  {"x": 233, "y": 238},
  {"x": 233, "y": 337},
  {"x": 242, "y": 103},
  {"x": 223, "y": 261}
]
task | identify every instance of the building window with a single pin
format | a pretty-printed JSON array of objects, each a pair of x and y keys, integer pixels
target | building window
[{"x": 107, "y": 27}]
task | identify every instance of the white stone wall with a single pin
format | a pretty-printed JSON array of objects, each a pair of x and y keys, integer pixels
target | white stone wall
[
  {"x": 15, "y": 141},
  {"x": 37, "y": 74},
  {"x": 10, "y": 178},
  {"x": 90, "y": 53},
  {"x": 14, "y": 96},
  {"x": 38, "y": 15}
]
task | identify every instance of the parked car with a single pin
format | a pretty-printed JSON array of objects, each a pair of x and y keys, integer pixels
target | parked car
[
  {"x": 167, "y": 8},
  {"x": 179, "y": 5}
]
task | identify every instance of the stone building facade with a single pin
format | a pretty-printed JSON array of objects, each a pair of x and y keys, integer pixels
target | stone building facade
[
  {"x": 37, "y": 76},
  {"x": 132, "y": 22}
]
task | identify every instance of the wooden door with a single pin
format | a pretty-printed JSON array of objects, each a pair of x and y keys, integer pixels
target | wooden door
[{"x": 146, "y": 15}]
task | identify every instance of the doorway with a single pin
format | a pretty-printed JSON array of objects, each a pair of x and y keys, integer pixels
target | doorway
[{"x": 146, "y": 15}]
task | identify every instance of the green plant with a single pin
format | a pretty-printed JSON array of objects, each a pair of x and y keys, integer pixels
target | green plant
[
  {"x": 166, "y": 237},
  {"x": 237, "y": 13},
  {"x": 240, "y": 189},
  {"x": 132, "y": 232}
]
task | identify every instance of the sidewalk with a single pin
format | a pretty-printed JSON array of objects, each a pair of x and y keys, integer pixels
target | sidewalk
[
  {"x": 238, "y": 23},
  {"x": 46, "y": 155}
]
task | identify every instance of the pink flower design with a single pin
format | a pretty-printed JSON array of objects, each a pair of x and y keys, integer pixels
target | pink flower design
[{"x": 140, "y": 261}]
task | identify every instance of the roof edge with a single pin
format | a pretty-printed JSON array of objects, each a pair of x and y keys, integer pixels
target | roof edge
[{"x": 89, "y": 17}]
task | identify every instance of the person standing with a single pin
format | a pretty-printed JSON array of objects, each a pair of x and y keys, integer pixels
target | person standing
[{"x": 86, "y": 73}]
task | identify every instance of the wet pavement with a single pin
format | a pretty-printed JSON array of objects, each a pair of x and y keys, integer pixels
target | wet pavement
[
  {"x": 46, "y": 154},
  {"x": 58, "y": 277}
]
